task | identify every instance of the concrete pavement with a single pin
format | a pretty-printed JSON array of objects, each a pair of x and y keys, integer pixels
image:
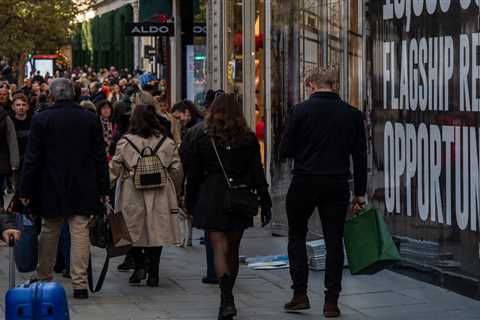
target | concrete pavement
[{"x": 260, "y": 295}]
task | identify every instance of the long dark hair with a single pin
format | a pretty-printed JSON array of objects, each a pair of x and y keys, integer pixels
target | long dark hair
[
  {"x": 225, "y": 121},
  {"x": 144, "y": 122}
]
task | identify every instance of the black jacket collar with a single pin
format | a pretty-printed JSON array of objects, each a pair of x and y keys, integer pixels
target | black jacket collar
[
  {"x": 65, "y": 104},
  {"x": 325, "y": 95}
]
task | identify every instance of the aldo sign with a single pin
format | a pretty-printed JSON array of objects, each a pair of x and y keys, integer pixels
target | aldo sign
[{"x": 150, "y": 29}]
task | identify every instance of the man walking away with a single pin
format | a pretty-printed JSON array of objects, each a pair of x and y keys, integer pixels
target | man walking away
[
  {"x": 321, "y": 135},
  {"x": 64, "y": 174}
]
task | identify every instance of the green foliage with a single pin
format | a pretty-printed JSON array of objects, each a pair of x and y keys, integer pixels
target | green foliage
[{"x": 38, "y": 26}]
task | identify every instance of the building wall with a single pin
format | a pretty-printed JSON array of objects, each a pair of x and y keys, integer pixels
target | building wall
[{"x": 101, "y": 42}]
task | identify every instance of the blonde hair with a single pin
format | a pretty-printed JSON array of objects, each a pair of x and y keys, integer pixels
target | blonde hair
[{"x": 321, "y": 76}]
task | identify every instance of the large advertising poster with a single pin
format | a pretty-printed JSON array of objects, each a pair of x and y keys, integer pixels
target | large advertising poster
[{"x": 426, "y": 128}]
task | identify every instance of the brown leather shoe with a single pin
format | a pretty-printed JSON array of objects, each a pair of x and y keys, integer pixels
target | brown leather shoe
[
  {"x": 299, "y": 302},
  {"x": 331, "y": 310}
]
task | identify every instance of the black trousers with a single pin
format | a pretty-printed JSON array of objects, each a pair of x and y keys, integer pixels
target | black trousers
[{"x": 331, "y": 196}]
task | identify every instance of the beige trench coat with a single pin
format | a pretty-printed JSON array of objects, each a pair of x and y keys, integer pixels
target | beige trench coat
[{"x": 151, "y": 215}]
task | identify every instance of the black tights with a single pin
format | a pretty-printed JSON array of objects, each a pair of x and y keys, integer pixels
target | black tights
[{"x": 226, "y": 247}]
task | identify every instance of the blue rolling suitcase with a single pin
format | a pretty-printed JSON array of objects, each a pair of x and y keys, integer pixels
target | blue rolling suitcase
[{"x": 34, "y": 301}]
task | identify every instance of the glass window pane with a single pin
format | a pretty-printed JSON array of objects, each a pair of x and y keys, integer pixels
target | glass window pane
[{"x": 234, "y": 46}]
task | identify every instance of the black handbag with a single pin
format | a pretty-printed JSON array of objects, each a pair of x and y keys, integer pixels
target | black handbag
[
  {"x": 240, "y": 199},
  {"x": 108, "y": 231}
]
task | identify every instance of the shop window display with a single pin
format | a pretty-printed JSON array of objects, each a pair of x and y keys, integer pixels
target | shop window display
[
  {"x": 260, "y": 112},
  {"x": 234, "y": 47}
]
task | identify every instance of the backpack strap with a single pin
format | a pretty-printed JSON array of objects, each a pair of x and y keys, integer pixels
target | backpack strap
[
  {"x": 133, "y": 145},
  {"x": 154, "y": 151},
  {"x": 157, "y": 147}
]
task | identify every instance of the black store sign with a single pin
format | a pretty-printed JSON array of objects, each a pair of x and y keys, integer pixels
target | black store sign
[{"x": 150, "y": 29}]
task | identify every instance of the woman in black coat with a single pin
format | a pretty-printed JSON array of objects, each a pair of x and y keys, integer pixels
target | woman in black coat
[{"x": 239, "y": 151}]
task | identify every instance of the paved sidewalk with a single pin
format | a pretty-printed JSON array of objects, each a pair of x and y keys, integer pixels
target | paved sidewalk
[{"x": 260, "y": 294}]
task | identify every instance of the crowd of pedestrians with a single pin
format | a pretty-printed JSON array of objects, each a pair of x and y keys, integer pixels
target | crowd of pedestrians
[{"x": 68, "y": 143}]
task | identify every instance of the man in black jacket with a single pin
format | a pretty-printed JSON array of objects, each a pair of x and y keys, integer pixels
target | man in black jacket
[
  {"x": 322, "y": 134},
  {"x": 64, "y": 175}
]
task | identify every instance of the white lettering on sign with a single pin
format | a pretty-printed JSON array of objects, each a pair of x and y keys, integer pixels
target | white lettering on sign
[
  {"x": 421, "y": 156},
  {"x": 402, "y": 9},
  {"x": 150, "y": 29},
  {"x": 427, "y": 68},
  {"x": 430, "y": 80}
]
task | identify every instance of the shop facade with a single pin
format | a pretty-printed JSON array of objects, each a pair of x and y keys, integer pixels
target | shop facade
[
  {"x": 412, "y": 68},
  {"x": 103, "y": 40}
]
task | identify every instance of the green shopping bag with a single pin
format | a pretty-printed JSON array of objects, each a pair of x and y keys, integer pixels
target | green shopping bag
[{"x": 368, "y": 243}]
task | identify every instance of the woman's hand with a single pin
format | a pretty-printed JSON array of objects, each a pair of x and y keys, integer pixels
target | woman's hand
[{"x": 266, "y": 215}]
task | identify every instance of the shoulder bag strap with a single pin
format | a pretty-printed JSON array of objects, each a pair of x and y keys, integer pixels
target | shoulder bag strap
[
  {"x": 220, "y": 162},
  {"x": 101, "y": 279}
]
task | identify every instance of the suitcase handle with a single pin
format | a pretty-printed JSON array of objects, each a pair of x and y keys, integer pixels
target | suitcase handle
[
  {"x": 11, "y": 271},
  {"x": 11, "y": 242}
]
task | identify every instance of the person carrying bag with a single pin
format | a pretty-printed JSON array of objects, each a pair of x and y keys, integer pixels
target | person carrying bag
[
  {"x": 324, "y": 136},
  {"x": 148, "y": 172},
  {"x": 226, "y": 187}
]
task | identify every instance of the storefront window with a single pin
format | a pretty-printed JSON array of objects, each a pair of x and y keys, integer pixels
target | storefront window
[
  {"x": 260, "y": 75},
  {"x": 355, "y": 55},
  {"x": 307, "y": 34},
  {"x": 196, "y": 56},
  {"x": 234, "y": 46}
]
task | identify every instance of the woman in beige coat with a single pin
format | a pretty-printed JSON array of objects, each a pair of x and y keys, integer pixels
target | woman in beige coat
[{"x": 151, "y": 214}]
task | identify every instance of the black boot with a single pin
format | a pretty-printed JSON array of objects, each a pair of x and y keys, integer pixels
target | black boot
[
  {"x": 127, "y": 264},
  {"x": 153, "y": 255},
  {"x": 227, "y": 305},
  {"x": 140, "y": 273},
  {"x": 137, "y": 277}
]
